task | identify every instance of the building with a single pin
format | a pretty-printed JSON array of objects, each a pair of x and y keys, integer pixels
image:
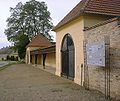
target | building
[
  {"x": 97, "y": 33},
  {"x": 90, "y": 20},
  {"x": 46, "y": 56},
  {"x": 70, "y": 35},
  {"x": 38, "y": 42},
  {"x": 40, "y": 51}
]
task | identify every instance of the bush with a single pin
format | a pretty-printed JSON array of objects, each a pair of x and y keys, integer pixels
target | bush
[
  {"x": 12, "y": 58},
  {"x": 8, "y": 57},
  {"x": 2, "y": 59},
  {"x": 16, "y": 58}
]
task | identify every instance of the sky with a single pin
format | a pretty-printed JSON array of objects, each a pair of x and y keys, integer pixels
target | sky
[{"x": 57, "y": 8}]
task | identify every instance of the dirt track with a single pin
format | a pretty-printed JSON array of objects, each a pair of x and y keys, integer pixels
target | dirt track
[{"x": 26, "y": 83}]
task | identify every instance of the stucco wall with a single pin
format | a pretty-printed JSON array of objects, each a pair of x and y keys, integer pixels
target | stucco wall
[
  {"x": 39, "y": 59},
  {"x": 33, "y": 59},
  {"x": 50, "y": 60},
  {"x": 75, "y": 29},
  {"x": 27, "y": 57},
  {"x": 96, "y": 74}
]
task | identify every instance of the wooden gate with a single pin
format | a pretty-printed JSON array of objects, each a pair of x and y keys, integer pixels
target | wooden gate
[{"x": 67, "y": 57}]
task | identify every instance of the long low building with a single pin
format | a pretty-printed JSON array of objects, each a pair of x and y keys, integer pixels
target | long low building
[
  {"x": 40, "y": 51},
  {"x": 44, "y": 57}
]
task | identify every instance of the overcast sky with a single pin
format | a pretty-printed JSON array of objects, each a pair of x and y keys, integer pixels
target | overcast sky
[{"x": 57, "y": 8}]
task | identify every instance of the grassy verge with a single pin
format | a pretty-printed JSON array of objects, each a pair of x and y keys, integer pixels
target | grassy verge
[{"x": 9, "y": 64}]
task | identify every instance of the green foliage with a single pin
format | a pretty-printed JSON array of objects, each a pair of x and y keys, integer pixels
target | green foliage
[
  {"x": 26, "y": 21},
  {"x": 2, "y": 59},
  {"x": 29, "y": 19},
  {"x": 12, "y": 58},
  {"x": 37, "y": 18},
  {"x": 21, "y": 45},
  {"x": 16, "y": 58},
  {"x": 9, "y": 64},
  {"x": 8, "y": 57}
]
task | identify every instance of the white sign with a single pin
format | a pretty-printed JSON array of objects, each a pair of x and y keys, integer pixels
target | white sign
[{"x": 96, "y": 53}]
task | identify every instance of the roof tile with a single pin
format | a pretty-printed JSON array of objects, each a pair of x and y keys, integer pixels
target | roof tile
[
  {"x": 39, "y": 41},
  {"x": 105, "y": 7}
]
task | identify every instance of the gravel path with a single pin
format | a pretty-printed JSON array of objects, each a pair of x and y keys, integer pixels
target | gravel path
[{"x": 26, "y": 83}]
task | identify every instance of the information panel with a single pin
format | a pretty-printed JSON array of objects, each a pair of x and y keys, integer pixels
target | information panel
[{"x": 96, "y": 53}]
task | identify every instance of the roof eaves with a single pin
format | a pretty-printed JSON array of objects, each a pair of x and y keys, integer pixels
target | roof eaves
[
  {"x": 84, "y": 9},
  {"x": 57, "y": 27},
  {"x": 81, "y": 11},
  {"x": 101, "y": 13},
  {"x": 102, "y": 23}
]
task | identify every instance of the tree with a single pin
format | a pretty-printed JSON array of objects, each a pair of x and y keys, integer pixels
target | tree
[
  {"x": 37, "y": 18},
  {"x": 14, "y": 24},
  {"x": 12, "y": 58},
  {"x": 2, "y": 59},
  {"x": 21, "y": 45},
  {"x": 28, "y": 20}
]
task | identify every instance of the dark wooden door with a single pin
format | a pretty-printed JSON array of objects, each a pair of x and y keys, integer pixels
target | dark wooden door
[{"x": 67, "y": 57}]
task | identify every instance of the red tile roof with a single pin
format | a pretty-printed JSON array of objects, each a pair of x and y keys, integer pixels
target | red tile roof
[
  {"x": 39, "y": 41},
  {"x": 104, "y": 7}
]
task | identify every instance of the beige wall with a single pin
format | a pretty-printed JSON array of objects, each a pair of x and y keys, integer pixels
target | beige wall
[
  {"x": 39, "y": 59},
  {"x": 27, "y": 57},
  {"x": 96, "y": 74},
  {"x": 50, "y": 60},
  {"x": 75, "y": 29},
  {"x": 33, "y": 59}
]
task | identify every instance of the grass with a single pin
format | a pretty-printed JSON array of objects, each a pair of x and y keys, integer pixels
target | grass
[
  {"x": 56, "y": 90},
  {"x": 9, "y": 64}
]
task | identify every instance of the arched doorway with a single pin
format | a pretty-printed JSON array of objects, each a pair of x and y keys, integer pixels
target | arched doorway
[{"x": 68, "y": 57}]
